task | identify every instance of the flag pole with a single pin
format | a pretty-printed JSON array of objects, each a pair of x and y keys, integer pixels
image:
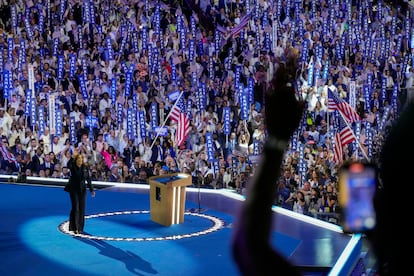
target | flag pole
[
  {"x": 353, "y": 134},
  {"x": 166, "y": 118}
]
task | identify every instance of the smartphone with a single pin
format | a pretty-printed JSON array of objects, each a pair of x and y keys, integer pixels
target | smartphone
[{"x": 357, "y": 187}]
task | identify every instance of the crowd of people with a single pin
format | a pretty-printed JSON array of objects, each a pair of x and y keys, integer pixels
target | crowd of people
[{"x": 101, "y": 77}]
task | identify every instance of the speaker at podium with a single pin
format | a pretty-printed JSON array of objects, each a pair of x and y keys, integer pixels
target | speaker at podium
[{"x": 167, "y": 197}]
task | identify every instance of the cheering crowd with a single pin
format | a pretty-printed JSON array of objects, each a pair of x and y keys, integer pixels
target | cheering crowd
[{"x": 143, "y": 89}]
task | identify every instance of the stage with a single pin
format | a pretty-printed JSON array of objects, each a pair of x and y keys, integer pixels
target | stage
[{"x": 121, "y": 239}]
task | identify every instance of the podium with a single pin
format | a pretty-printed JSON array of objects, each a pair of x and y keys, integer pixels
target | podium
[{"x": 167, "y": 197}]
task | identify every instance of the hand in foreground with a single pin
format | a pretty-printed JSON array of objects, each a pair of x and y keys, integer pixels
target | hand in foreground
[
  {"x": 283, "y": 111},
  {"x": 252, "y": 251}
]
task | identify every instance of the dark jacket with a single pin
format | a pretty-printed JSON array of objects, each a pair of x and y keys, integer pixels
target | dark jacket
[{"x": 79, "y": 178}]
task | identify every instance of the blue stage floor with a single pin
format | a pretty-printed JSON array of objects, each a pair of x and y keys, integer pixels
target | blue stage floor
[{"x": 121, "y": 238}]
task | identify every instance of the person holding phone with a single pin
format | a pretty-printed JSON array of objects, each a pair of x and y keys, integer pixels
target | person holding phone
[
  {"x": 390, "y": 236},
  {"x": 78, "y": 182}
]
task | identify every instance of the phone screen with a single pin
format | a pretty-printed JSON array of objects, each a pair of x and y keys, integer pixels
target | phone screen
[{"x": 357, "y": 183}]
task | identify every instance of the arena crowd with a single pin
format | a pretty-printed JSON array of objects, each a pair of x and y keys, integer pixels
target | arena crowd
[{"x": 143, "y": 88}]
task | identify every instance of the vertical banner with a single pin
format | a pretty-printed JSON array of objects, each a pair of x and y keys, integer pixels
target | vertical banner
[
  {"x": 325, "y": 72},
  {"x": 237, "y": 76},
  {"x": 256, "y": 147},
  {"x": 41, "y": 119},
  {"x": 10, "y": 49},
  {"x": 72, "y": 131},
  {"x": 294, "y": 141},
  {"x": 13, "y": 17},
  {"x": 55, "y": 47},
  {"x": 274, "y": 35},
  {"x": 216, "y": 167},
  {"x": 226, "y": 117},
  {"x": 120, "y": 117},
  {"x": 128, "y": 80},
  {"x": 58, "y": 120},
  {"x": 113, "y": 90},
  {"x": 6, "y": 84},
  {"x": 129, "y": 130},
  {"x": 211, "y": 71},
  {"x": 154, "y": 115},
  {"x": 72, "y": 66},
  {"x": 234, "y": 164},
  {"x": 142, "y": 126},
  {"x": 33, "y": 117},
  {"x": 134, "y": 124},
  {"x": 244, "y": 103},
  {"x": 310, "y": 75},
  {"x": 191, "y": 49},
  {"x": 189, "y": 108},
  {"x": 21, "y": 58},
  {"x": 210, "y": 146},
  {"x": 369, "y": 138},
  {"x": 82, "y": 86},
  {"x": 28, "y": 103},
  {"x": 352, "y": 94},
  {"x": 303, "y": 164},
  {"x": 1, "y": 59},
  {"x": 173, "y": 73},
  {"x": 52, "y": 114},
  {"x": 61, "y": 67},
  {"x": 109, "y": 49},
  {"x": 365, "y": 94}
]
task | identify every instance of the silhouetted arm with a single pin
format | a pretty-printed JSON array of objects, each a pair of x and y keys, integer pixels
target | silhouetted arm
[{"x": 251, "y": 245}]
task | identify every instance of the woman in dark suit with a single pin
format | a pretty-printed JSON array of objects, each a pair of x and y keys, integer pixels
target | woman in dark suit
[{"x": 78, "y": 182}]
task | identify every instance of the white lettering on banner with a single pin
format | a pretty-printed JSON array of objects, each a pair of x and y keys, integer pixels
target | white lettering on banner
[
  {"x": 352, "y": 96},
  {"x": 52, "y": 114}
]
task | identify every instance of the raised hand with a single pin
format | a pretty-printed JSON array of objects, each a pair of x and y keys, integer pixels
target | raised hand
[{"x": 282, "y": 109}]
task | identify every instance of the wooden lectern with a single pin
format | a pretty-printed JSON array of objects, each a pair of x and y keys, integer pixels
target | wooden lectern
[{"x": 167, "y": 197}]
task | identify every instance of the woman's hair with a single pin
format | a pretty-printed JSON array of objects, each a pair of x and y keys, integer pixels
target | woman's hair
[{"x": 78, "y": 156}]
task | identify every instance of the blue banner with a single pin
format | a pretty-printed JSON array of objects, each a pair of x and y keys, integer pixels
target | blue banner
[
  {"x": 60, "y": 67},
  {"x": 10, "y": 48},
  {"x": 72, "y": 131},
  {"x": 142, "y": 124},
  {"x": 216, "y": 167},
  {"x": 58, "y": 120},
  {"x": 82, "y": 86},
  {"x": 161, "y": 131},
  {"x": 129, "y": 122},
  {"x": 210, "y": 146},
  {"x": 6, "y": 85},
  {"x": 154, "y": 115},
  {"x": 28, "y": 103},
  {"x": 226, "y": 117},
  {"x": 41, "y": 119},
  {"x": 134, "y": 124},
  {"x": 33, "y": 117},
  {"x": 120, "y": 114},
  {"x": 244, "y": 103}
]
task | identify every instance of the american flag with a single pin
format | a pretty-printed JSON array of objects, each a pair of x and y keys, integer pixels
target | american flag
[
  {"x": 178, "y": 114},
  {"x": 243, "y": 22},
  {"x": 338, "y": 150},
  {"x": 336, "y": 103},
  {"x": 7, "y": 155},
  {"x": 345, "y": 131},
  {"x": 343, "y": 137}
]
